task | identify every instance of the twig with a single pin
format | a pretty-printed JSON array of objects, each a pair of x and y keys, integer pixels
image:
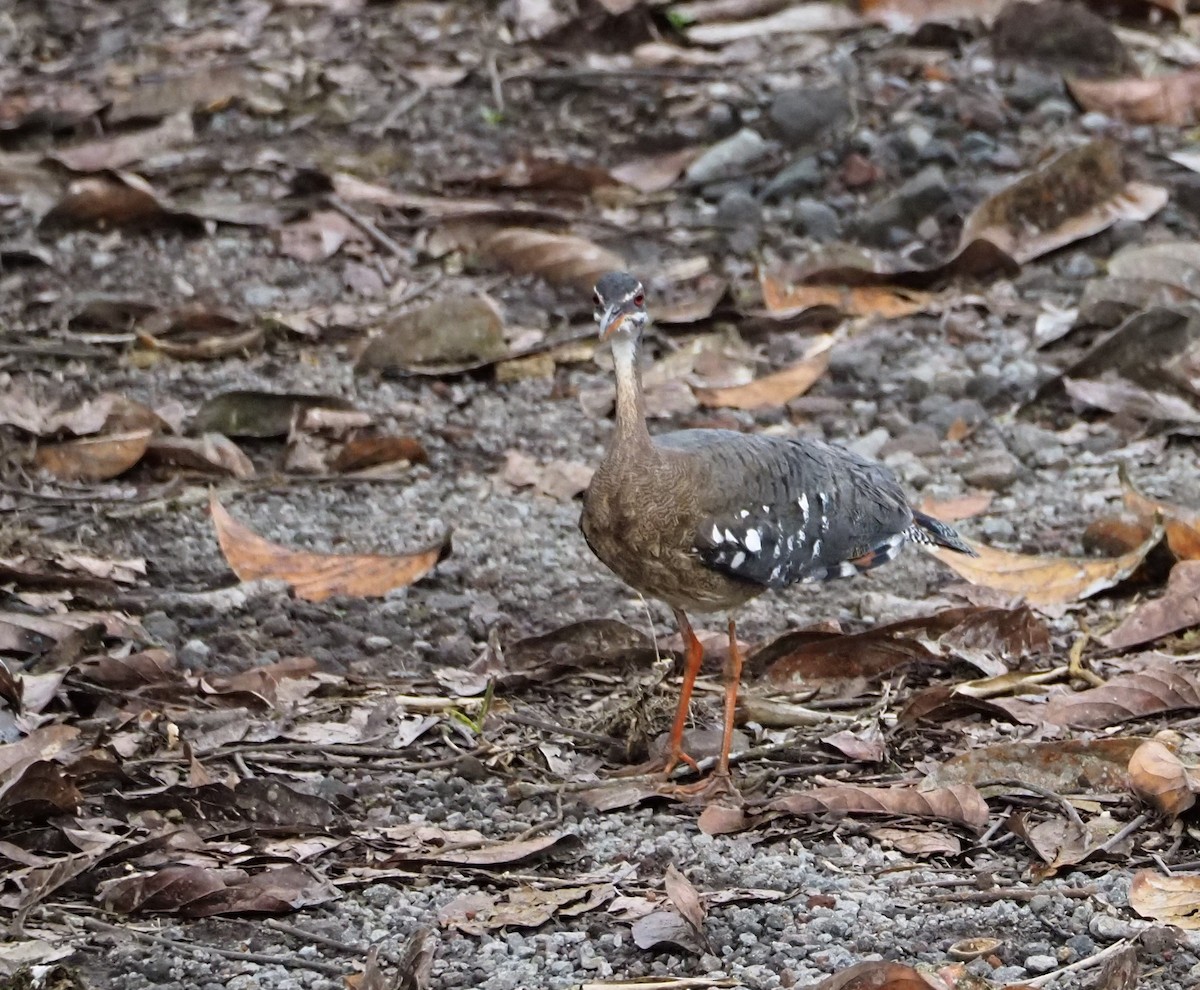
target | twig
[
  {"x": 399, "y": 110},
  {"x": 1012, "y": 894},
  {"x": 1127, "y": 831},
  {"x": 368, "y": 227},
  {"x": 1045, "y": 792},
  {"x": 306, "y": 935},
  {"x": 566, "y": 730},
  {"x": 1089, "y": 963},
  {"x": 195, "y": 949}
]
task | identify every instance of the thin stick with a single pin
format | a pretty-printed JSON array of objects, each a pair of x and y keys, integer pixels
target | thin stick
[
  {"x": 1089, "y": 963},
  {"x": 195, "y": 949},
  {"x": 305, "y": 934},
  {"x": 368, "y": 227}
]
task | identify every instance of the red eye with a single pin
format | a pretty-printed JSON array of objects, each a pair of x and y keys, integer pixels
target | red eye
[{"x": 639, "y": 299}]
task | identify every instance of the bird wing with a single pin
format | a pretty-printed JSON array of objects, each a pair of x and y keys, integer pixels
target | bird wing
[{"x": 776, "y": 511}]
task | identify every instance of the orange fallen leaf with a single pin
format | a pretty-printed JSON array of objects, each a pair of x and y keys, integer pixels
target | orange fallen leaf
[
  {"x": 1177, "y": 609},
  {"x": 880, "y": 975},
  {"x": 775, "y": 389},
  {"x": 1045, "y": 580},
  {"x": 1172, "y": 99},
  {"x": 1160, "y": 778},
  {"x": 1182, "y": 524},
  {"x": 317, "y": 576},
  {"x": 954, "y": 509},
  {"x": 888, "y": 301},
  {"x": 94, "y": 458}
]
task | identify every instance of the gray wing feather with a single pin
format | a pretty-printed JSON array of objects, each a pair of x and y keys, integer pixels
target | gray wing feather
[{"x": 783, "y": 510}]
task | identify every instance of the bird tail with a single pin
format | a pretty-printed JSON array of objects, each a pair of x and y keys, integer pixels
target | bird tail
[{"x": 935, "y": 533}]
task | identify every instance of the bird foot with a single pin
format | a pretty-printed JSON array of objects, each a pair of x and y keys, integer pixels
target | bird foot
[
  {"x": 664, "y": 765},
  {"x": 718, "y": 784}
]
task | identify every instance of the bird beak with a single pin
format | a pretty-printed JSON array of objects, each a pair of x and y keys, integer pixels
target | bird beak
[{"x": 613, "y": 318}]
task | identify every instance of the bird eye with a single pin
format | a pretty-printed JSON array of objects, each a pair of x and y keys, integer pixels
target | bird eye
[{"x": 639, "y": 299}]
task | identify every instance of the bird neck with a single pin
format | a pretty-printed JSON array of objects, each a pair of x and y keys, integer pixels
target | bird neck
[{"x": 631, "y": 406}]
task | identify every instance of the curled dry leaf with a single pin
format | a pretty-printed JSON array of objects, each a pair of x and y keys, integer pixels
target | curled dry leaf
[
  {"x": 318, "y": 576},
  {"x": 248, "y": 413},
  {"x": 685, "y": 898},
  {"x": 1149, "y": 692},
  {"x": 197, "y": 333},
  {"x": 522, "y": 907},
  {"x": 360, "y": 453},
  {"x": 1172, "y": 99},
  {"x": 211, "y": 452},
  {"x": 1045, "y": 580},
  {"x": 561, "y": 259},
  {"x": 201, "y": 892},
  {"x": 95, "y": 458},
  {"x": 889, "y": 302},
  {"x": 1065, "y": 767},
  {"x": 879, "y": 976},
  {"x": 917, "y": 842},
  {"x": 559, "y": 479},
  {"x": 1173, "y": 900},
  {"x": 1160, "y": 778},
  {"x": 775, "y": 389},
  {"x": 961, "y": 804},
  {"x": 118, "y": 200},
  {"x": 657, "y": 172},
  {"x": 1116, "y": 395},
  {"x": 125, "y": 149},
  {"x": 1177, "y": 609},
  {"x": 451, "y": 334},
  {"x": 1182, "y": 524},
  {"x": 1074, "y": 195}
]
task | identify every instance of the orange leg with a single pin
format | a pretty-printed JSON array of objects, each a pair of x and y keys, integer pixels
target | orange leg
[{"x": 693, "y": 658}]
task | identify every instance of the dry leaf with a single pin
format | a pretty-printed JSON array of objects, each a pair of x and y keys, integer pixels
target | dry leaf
[
  {"x": 955, "y": 509},
  {"x": 93, "y": 458},
  {"x": 904, "y": 16},
  {"x": 1045, "y": 580},
  {"x": 558, "y": 258},
  {"x": 1173, "y": 900},
  {"x": 1151, "y": 691},
  {"x": 803, "y": 18},
  {"x": 248, "y": 413},
  {"x": 961, "y": 804},
  {"x": 889, "y": 302},
  {"x": 317, "y": 576},
  {"x": 1182, "y": 524},
  {"x": 1172, "y": 99},
  {"x": 119, "y": 200},
  {"x": 366, "y": 452},
  {"x": 453, "y": 333},
  {"x": 1074, "y": 195},
  {"x": 561, "y": 480},
  {"x": 1177, "y": 609},
  {"x": 1159, "y": 778},
  {"x": 685, "y": 898},
  {"x": 879, "y": 976},
  {"x": 1116, "y": 395},
  {"x": 201, "y": 892},
  {"x": 656, "y": 172},
  {"x": 318, "y": 236},
  {"x": 917, "y": 842},
  {"x": 776, "y": 389},
  {"x": 125, "y": 149},
  {"x": 1065, "y": 767},
  {"x": 210, "y": 452}
]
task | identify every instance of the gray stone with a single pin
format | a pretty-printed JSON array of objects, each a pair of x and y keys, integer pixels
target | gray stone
[
  {"x": 941, "y": 415},
  {"x": 734, "y": 154},
  {"x": 995, "y": 470},
  {"x": 921, "y": 440},
  {"x": 871, "y": 443},
  {"x": 816, "y": 220},
  {"x": 923, "y": 195},
  {"x": 738, "y": 210},
  {"x": 1031, "y": 86},
  {"x": 161, "y": 626},
  {"x": 799, "y": 176},
  {"x": 194, "y": 653},
  {"x": 1040, "y": 964},
  {"x": 805, "y": 116}
]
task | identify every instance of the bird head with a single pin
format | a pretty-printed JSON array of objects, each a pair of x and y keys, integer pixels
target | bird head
[{"x": 620, "y": 303}]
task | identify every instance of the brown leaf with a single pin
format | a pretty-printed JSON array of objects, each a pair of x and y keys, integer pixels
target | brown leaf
[
  {"x": 1120, "y": 972},
  {"x": 685, "y": 898},
  {"x": 366, "y": 452},
  {"x": 1045, "y": 580},
  {"x": 888, "y": 302},
  {"x": 1173, "y": 900},
  {"x": 318, "y": 236},
  {"x": 907, "y": 15},
  {"x": 119, "y": 200},
  {"x": 655, "y": 172},
  {"x": 561, "y": 480},
  {"x": 776, "y": 389},
  {"x": 1093, "y": 765},
  {"x": 1177, "y": 609},
  {"x": 125, "y": 149},
  {"x": 211, "y": 452},
  {"x": 1172, "y": 99},
  {"x": 1074, "y": 195},
  {"x": 591, "y": 644},
  {"x": 1159, "y": 778},
  {"x": 879, "y": 976},
  {"x": 547, "y": 174},
  {"x": 839, "y": 663},
  {"x": 1182, "y": 524},
  {"x": 522, "y": 907},
  {"x": 201, "y": 892},
  {"x": 93, "y": 458},
  {"x": 560, "y": 259},
  {"x": 35, "y": 789},
  {"x": 316, "y": 576},
  {"x": 204, "y": 90},
  {"x": 1126, "y": 696},
  {"x": 663, "y": 928},
  {"x": 47, "y": 105},
  {"x": 1117, "y": 395},
  {"x": 454, "y": 333},
  {"x": 954, "y": 509},
  {"x": 138, "y": 670},
  {"x": 917, "y": 842},
  {"x": 961, "y": 804},
  {"x": 248, "y": 413}
]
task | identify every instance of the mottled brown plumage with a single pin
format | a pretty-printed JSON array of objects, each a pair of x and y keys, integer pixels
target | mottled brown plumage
[{"x": 705, "y": 520}]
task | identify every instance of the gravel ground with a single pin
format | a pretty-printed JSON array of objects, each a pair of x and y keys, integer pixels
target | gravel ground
[{"x": 520, "y": 567}]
